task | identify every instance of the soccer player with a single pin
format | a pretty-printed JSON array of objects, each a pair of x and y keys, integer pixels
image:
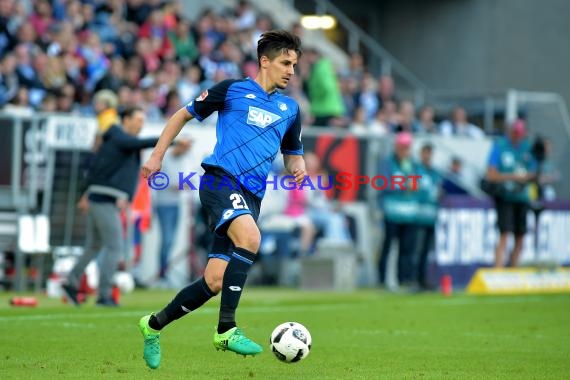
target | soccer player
[{"x": 255, "y": 121}]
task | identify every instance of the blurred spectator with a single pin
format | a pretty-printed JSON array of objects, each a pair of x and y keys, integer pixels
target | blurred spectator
[
  {"x": 189, "y": 85},
  {"x": 229, "y": 58},
  {"x": 149, "y": 98},
  {"x": 167, "y": 204},
  {"x": 367, "y": 97},
  {"x": 49, "y": 103},
  {"x": 105, "y": 104},
  {"x": 429, "y": 191},
  {"x": 359, "y": 124},
  {"x": 8, "y": 25},
  {"x": 355, "y": 69},
  {"x": 295, "y": 91},
  {"x": 113, "y": 79},
  {"x": 66, "y": 99},
  {"x": 323, "y": 90},
  {"x": 28, "y": 74},
  {"x": 460, "y": 126},
  {"x": 400, "y": 208},
  {"x": 386, "y": 90},
  {"x": 245, "y": 16},
  {"x": 453, "y": 178},
  {"x": 20, "y": 104},
  {"x": 325, "y": 216},
  {"x": 172, "y": 105},
  {"x": 297, "y": 203},
  {"x": 426, "y": 123},
  {"x": 380, "y": 125},
  {"x": 262, "y": 25},
  {"x": 406, "y": 117},
  {"x": 511, "y": 168},
  {"x": 8, "y": 79},
  {"x": 312, "y": 210},
  {"x": 349, "y": 91},
  {"x": 549, "y": 175},
  {"x": 390, "y": 115},
  {"x": 183, "y": 43},
  {"x": 95, "y": 61},
  {"x": 41, "y": 18}
]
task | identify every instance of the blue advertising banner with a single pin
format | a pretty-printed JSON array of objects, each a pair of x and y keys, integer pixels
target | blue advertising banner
[{"x": 466, "y": 235}]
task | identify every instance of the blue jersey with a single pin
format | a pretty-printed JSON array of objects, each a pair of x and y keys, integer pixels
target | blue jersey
[{"x": 252, "y": 127}]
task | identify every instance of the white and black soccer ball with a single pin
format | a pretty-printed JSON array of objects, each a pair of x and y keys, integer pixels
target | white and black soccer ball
[
  {"x": 290, "y": 342},
  {"x": 124, "y": 281}
]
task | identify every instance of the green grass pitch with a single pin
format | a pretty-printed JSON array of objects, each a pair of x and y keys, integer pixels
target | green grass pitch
[{"x": 364, "y": 335}]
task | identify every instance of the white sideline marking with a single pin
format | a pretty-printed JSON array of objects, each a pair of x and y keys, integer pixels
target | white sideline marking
[{"x": 208, "y": 310}]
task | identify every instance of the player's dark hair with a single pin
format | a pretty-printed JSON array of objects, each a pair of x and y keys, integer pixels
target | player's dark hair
[
  {"x": 130, "y": 111},
  {"x": 273, "y": 43}
]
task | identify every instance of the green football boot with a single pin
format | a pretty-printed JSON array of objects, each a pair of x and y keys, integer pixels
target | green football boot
[
  {"x": 234, "y": 340},
  {"x": 151, "y": 337}
]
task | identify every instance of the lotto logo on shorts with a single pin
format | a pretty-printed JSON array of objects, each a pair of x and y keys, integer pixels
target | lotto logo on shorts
[
  {"x": 227, "y": 214},
  {"x": 261, "y": 118}
]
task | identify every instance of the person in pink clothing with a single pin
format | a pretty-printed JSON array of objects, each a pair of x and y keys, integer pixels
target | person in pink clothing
[
  {"x": 313, "y": 211},
  {"x": 297, "y": 200}
]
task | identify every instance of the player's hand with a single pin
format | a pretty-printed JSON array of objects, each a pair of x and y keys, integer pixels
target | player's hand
[
  {"x": 299, "y": 175},
  {"x": 152, "y": 165}
]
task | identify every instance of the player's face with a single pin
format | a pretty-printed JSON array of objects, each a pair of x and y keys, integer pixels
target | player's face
[{"x": 282, "y": 68}]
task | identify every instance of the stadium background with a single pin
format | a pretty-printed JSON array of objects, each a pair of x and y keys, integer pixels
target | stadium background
[
  {"x": 498, "y": 60},
  {"x": 482, "y": 63}
]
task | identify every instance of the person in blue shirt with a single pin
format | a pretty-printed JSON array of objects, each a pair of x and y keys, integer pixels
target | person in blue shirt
[
  {"x": 512, "y": 167},
  {"x": 255, "y": 122},
  {"x": 400, "y": 209},
  {"x": 429, "y": 192}
]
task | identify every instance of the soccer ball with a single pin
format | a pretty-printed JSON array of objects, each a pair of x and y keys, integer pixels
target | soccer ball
[
  {"x": 290, "y": 342},
  {"x": 124, "y": 281}
]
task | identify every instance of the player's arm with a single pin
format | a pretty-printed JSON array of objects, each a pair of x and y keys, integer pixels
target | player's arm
[
  {"x": 171, "y": 130},
  {"x": 203, "y": 106},
  {"x": 295, "y": 165},
  {"x": 292, "y": 150}
]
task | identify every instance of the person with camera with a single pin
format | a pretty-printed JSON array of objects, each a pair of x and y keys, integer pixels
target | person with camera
[{"x": 511, "y": 169}]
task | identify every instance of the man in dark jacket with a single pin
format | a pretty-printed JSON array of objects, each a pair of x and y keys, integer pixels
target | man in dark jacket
[{"x": 110, "y": 185}]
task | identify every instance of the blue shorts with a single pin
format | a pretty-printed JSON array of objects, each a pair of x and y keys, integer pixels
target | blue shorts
[{"x": 224, "y": 199}]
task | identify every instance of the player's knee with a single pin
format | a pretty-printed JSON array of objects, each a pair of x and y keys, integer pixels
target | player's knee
[
  {"x": 251, "y": 241},
  {"x": 214, "y": 281}
]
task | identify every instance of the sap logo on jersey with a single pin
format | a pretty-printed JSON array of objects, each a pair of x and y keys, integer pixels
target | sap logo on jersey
[{"x": 261, "y": 118}]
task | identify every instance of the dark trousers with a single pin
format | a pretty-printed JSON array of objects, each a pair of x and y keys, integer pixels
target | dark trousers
[
  {"x": 406, "y": 235},
  {"x": 426, "y": 244}
]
